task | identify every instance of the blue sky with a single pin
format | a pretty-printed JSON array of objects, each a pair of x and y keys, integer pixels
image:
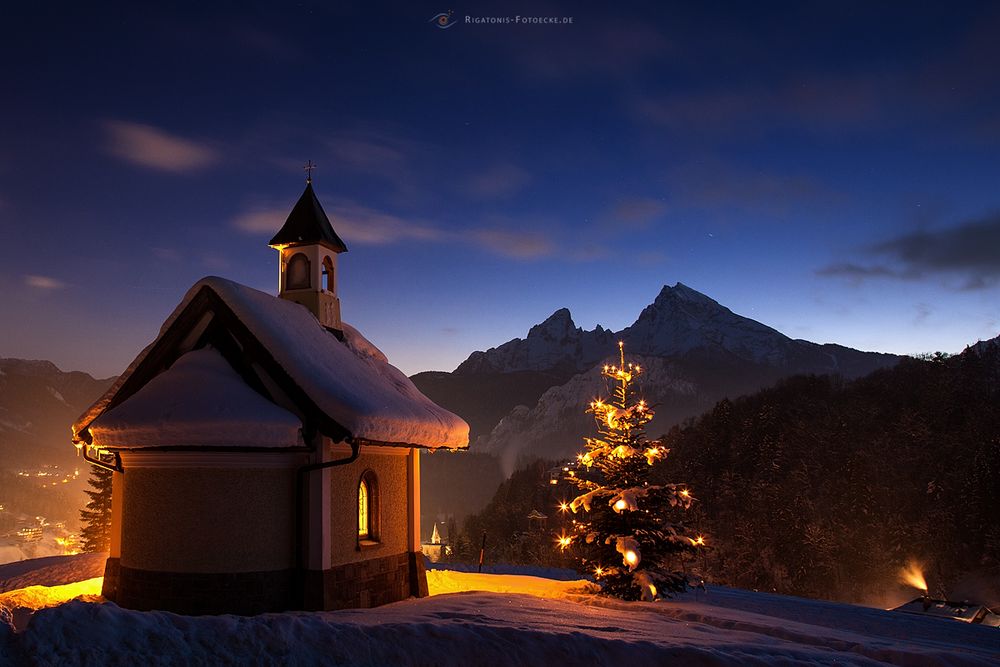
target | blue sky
[{"x": 829, "y": 169}]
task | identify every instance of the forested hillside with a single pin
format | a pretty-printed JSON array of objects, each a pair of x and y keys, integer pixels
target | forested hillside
[{"x": 821, "y": 488}]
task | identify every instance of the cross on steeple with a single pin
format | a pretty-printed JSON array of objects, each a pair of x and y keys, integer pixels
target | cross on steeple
[{"x": 309, "y": 171}]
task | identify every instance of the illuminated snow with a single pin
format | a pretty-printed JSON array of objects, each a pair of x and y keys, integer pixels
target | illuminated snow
[{"x": 501, "y": 620}]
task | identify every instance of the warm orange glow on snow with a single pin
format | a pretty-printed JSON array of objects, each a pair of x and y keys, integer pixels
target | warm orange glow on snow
[
  {"x": 69, "y": 545},
  {"x": 441, "y": 582},
  {"x": 40, "y": 597},
  {"x": 913, "y": 576}
]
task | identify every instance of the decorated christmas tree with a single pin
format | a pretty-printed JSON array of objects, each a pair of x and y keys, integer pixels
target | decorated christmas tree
[{"x": 622, "y": 532}]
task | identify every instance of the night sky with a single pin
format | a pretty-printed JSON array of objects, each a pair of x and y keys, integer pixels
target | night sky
[{"x": 829, "y": 169}]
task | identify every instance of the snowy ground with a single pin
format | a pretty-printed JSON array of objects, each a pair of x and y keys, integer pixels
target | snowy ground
[
  {"x": 51, "y": 571},
  {"x": 509, "y": 620}
]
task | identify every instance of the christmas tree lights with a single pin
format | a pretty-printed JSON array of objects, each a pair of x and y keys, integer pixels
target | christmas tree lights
[{"x": 623, "y": 534}]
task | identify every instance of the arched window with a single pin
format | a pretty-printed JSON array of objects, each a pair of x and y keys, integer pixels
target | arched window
[
  {"x": 368, "y": 507},
  {"x": 297, "y": 273},
  {"x": 327, "y": 275}
]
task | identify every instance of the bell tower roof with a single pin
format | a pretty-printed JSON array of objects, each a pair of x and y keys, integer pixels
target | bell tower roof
[{"x": 307, "y": 224}]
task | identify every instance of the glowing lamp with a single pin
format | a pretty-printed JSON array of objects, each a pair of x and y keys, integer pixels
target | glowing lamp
[
  {"x": 620, "y": 504},
  {"x": 631, "y": 557}
]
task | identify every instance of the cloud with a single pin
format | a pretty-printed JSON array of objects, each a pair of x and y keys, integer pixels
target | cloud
[
  {"x": 261, "y": 220},
  {"x": 613, "y": 45},
  {"x": 814, "y": 103},
  {"x": 500, "y": 180},
  {"x": 214, "y": 261},
  {"x": 637, "y": 212},
  {"x": 357, "y": 223},
  {"x": 858, "y": 273},
  {"x": 372, "y": 153},
  {"x": 517, "y": 245},
  {"x": 410, "y": 166},
  {"x": 714, "y": 184},
  {"x": 151, "y": 147},
  {"x": 971, "y": 245},
  {"x": 852, "y": 270},
  {"x": 167, "y": 254},
  {"x": 363, "y": 224},
  {"x": 354, "y": 223},
  {"x": 43, "y": 282},
  {"x": 967, "y": 251}
]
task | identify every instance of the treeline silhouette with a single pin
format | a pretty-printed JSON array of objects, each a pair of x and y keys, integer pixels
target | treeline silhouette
[{"x": 822, "y": 488}]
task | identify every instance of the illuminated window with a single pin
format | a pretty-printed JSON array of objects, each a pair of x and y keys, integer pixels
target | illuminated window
[
  {"x": 364, "y": 510},
  {"x": 297, "y": 276},
  {"x": 368, "y": 507}
]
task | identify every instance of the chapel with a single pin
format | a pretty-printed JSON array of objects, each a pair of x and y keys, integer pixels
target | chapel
[{"x": 264, "y": 454}]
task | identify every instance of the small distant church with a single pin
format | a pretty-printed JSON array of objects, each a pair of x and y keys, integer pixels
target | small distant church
[{"x": 265, "y": 454}]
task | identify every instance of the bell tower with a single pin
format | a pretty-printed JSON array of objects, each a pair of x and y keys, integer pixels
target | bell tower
[{"x": 307, "y": 259}]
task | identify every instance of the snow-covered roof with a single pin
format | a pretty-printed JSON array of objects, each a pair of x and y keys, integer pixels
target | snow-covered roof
[
  {"x": 200, "y": 400},
  {"x": 350, "y": 382}
]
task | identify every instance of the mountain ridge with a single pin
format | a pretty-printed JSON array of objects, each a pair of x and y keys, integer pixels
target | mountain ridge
[
  {"x": 678, "y": 320},
  {"x": 38, "y": 403},
  {"x": 695, "y": 351}
]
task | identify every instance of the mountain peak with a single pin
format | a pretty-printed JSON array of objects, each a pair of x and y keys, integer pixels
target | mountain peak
[
  {"x": 561, "y": 315},
  {"x": 681, "y": 292},
  {"x": 558, "y": 324},
  {"x": 555, "y": 343},
  {"x": 682, "y": 319}
]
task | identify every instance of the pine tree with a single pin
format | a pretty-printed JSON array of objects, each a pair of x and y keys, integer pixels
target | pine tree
[
  {"x": 96, "y": 532},
  {"x": 624, "y": 536}
]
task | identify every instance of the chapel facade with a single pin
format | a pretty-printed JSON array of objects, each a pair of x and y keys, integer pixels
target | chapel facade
[{"x": 265, "y": 455}]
